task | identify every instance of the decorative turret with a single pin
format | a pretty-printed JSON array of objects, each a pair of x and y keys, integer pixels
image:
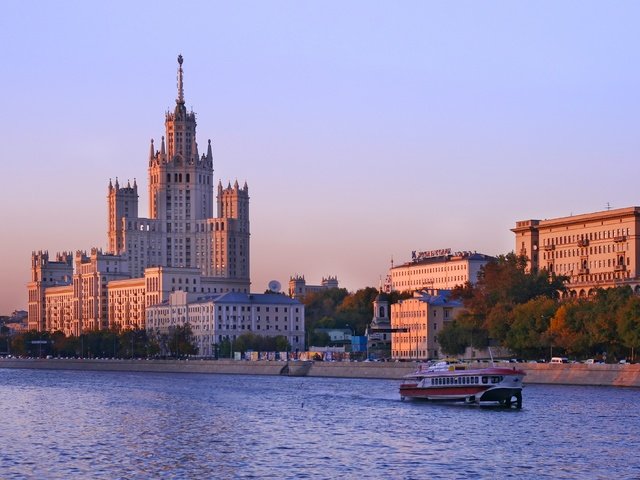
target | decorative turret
[
  {"x": 194, "y": 149},
  {"x": 151, "y": 153}
]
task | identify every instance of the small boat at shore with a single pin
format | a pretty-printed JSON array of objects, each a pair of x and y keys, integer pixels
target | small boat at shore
[{"x": 453, "y": 381}]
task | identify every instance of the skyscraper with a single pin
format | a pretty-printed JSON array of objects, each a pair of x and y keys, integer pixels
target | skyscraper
[{"x": 181, "y": 246}]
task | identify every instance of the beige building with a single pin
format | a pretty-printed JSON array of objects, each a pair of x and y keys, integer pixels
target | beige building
[
  {"x": 298, "y": 287},
  {"x": 182, "y": 246},
  {"x": 437, "y": 269},
  {"x": 416, "y": 321},
  {"x": 215, "y": 318},
  {"x": 593, "y": 250}
]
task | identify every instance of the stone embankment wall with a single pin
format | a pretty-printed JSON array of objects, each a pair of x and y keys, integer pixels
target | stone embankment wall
[
  {"x": 567, "y": 374},
  {"x": 581, "y": 374}
]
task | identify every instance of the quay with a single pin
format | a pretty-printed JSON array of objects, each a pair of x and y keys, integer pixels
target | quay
[{"x": 617, "y": 375}]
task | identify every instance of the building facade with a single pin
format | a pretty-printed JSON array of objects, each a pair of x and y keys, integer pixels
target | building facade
[
  {"x": 183, "y": 245},
  {"x": 437, "y": 269},
  {"x": 216, "y": 318},
  {"x": 416, "y": 321},
  {"x": 593, "y": 250},
  {"x": 298, "y": 287}
]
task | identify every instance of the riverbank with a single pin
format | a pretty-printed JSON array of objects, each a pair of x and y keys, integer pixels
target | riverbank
[{"x": 541, "y": 373}]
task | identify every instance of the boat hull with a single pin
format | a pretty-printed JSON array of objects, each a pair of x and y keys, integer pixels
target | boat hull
[{"x": 496, "y": 385}]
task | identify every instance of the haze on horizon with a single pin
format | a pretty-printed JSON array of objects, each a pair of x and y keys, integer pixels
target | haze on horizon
[{"x": 364, "y": 130}]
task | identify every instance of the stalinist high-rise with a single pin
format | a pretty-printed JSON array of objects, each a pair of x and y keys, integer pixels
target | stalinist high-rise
[{"x": 181, "y": 246}]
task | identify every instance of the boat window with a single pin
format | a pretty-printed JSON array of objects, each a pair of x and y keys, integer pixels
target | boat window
[
  {"x": 496, "y": 379},
  {"x": 485, "y": 379}
]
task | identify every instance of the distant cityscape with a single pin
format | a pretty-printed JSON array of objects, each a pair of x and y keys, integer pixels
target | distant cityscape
[{"x": 189, "y": 264}]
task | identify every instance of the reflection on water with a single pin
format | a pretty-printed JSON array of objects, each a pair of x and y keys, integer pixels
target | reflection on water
[{"x": 107, "y": 425}]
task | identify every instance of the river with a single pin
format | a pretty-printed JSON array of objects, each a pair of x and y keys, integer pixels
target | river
[{"x": 112, "y": 425}]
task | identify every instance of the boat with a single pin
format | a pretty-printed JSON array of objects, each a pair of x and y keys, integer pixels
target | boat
[{"x": 455, "y": 381}]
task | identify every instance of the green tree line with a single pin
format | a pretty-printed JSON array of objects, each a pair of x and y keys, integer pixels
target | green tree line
[
  {"x": 99, "y": 343},
  {"x": 337, "y": 308}
]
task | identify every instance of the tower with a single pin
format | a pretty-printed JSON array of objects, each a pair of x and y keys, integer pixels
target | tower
[
  {"x": 297, "y": 286},
  {"x": 46, "y": 273},
  {"x": 231, "y": 238},
  {"x": 123, "y": 203},
  {"x": 379, "y": 332},
  {"x": 180, "y": 183}
]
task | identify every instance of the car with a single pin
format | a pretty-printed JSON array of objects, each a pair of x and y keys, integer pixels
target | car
[{"x": 589, "y": 361}]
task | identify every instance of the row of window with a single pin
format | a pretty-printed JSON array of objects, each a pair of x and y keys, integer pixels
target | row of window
[
  {"x": 594, "y": 250},
  {"x": 600, "y": 235},
  {"x": 419, "y": 271},
  {"x": 466, "y": 380}
]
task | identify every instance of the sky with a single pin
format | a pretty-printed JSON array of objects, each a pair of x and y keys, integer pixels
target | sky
[{"x": 364, "y": 129}]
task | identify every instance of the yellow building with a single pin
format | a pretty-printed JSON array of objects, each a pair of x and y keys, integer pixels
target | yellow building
[
  {"x": 416, "y": 321},
  {"x": 593, "y": 250},
  {"x": 437, "y": 269}
]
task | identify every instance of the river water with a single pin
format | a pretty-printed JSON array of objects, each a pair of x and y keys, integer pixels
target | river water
[{"x": 111, "y": 425}]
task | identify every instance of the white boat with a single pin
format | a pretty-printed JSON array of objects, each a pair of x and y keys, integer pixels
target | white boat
[{"x": 451, "y": 381}]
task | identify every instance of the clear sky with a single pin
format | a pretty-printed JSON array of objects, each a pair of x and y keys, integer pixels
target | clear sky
[{"x": 365, "y": 130}]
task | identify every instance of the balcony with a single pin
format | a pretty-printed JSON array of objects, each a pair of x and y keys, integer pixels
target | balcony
[
  {"x": 549, "y": 247},
  {"x": 583, "y": 242},
  {"x": 583, "y": 271},
  {"x": 620, "y": 238},
  {"x": 620, "y": 268}
]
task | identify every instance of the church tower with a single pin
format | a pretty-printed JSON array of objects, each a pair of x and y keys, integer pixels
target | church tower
[{"x": 379, "y": 331}]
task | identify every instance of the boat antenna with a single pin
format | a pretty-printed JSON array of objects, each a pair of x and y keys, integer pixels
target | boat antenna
[{"x": 491, "y": 355}]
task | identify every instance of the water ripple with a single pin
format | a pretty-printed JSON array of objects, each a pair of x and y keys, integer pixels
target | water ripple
[{"x": 106, "y": 425}]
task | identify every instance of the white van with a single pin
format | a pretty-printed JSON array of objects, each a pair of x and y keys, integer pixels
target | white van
[{"x": 559, "y": 360}]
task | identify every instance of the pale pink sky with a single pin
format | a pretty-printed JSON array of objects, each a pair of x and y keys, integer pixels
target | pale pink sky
[{"x": 365, "y": 130}]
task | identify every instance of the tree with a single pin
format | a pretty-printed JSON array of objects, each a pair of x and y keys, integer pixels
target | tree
[
  {"x": 567, "y": 328},
  {"x": 531, "y": 320},
  {"x": 453, "y": 338},
  {"x": 180, "y": 341},
  {"x": 629, "y": 325}
]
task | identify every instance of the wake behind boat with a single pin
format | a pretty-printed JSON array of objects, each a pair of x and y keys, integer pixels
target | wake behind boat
[{"x": 454, "y": 381}]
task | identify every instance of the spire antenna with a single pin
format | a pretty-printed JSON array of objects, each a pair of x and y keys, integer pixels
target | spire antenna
[{"x": 180, "y": 99}]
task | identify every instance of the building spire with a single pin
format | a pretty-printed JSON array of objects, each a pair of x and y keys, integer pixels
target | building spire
[{"x": 180, "y": 99}]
